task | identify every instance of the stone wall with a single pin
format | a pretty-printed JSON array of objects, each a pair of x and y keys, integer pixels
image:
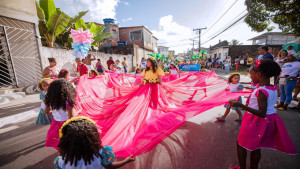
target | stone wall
[{"x": 65, "y": 59}]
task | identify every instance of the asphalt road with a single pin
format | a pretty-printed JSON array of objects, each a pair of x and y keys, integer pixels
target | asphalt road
[{"x": 199, "y": 143}]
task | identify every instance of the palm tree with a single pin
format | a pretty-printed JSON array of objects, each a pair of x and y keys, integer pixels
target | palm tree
[
  {"x": 53, "y": 22},
  {"x": 235, "y": 42}
]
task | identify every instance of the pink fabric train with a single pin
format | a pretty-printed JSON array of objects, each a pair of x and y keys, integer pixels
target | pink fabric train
[{"x": 134, "y": 119}]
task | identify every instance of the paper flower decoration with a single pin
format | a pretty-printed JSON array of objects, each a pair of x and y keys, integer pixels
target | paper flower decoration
[
  {"x": 80, "y": 36},
  {"x": 82, "y": 41}
]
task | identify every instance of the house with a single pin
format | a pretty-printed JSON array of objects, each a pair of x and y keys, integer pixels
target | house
[
  {"x": 219, "y": 51},
  {"x": 273, "y": 38},
  {"x": 20, "y": 59},
  {"x": 163, "y": 50},
  {"x": 138, "y": 35},
  {"x": 137, "y": 41}
]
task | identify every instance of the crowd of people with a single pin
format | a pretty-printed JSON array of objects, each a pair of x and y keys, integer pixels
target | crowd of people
[{"x": 78, "y": 140}]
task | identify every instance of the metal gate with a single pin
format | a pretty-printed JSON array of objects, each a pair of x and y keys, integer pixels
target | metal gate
[{"x": 20, "y": 62}]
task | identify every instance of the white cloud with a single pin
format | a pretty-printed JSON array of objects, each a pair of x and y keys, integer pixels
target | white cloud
[
  {"x": 126, "y": 3},
  {"x": 172, "y": 34},
  {"x": 127, "y": 19},
  {"x": 98, "y": 9}
]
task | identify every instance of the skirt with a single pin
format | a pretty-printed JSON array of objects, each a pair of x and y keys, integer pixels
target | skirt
[
  {"x": 227, "y": 106},
  {"x": 52, "y": 139},
  {"x": 268, "y": 132},
  {"x": 43, "y": 118}
]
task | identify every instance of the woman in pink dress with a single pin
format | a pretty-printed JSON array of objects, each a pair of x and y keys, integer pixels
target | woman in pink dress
[{"x": 261, "y": 126}]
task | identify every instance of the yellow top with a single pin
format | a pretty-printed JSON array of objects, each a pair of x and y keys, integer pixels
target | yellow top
[{"x": 149, "y": 75}]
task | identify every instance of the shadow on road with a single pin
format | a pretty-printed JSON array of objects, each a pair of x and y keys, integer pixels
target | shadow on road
[{"x": 15, "y": 109}]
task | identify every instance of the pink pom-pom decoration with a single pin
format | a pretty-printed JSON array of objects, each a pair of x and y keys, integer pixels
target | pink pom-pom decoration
[{"x": 80, "y": 36}]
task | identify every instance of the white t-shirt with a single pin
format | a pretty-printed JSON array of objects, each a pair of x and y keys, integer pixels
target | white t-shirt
[
  {"x": 291, "y": 51},
  {"x": 95, "y": 164},
  {"x": 173, "y": 71},
  {"x": 227, "y": 62},
  {"x": 119, "y": 65},
  {"x": 242, "y": 62},
  {"x": 260, "y": 57},
  {"x": 60, "y": 115},
  {"x": 166, "y": 65},
  {"x": 291, "y": 69},
  {"x": 234, "y": 87},
  {"x": 143, "y": 65}
]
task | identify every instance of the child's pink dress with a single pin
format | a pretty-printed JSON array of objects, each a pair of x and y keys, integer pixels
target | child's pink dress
[
  {"x": 268, "y": 132},
  {"x": 59, "y": 117}
]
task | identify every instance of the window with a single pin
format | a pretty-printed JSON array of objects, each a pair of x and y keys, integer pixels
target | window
[{"x": 136, "y": 35}]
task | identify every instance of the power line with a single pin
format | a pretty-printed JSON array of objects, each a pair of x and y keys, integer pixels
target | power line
[
  {"x": 227, "y": 28},
  {"x": 229, "y": 23},
  {"x": 221, "y": 16}
]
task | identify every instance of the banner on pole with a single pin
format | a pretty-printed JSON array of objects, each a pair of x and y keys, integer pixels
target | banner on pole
[{"x": 189, "y": 67}]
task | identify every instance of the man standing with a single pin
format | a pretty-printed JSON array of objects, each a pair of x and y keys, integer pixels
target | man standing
[
  {"x": 124, "y": 63},
  {"x": 110, "y": 62},
  {"x": 88, "y": 61},
  {"x": 82, "y": 69},
  {"x": 264, "y": 53}
]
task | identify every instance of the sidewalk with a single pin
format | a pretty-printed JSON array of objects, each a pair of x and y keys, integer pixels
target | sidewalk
[{"x": 19, "y": 110}]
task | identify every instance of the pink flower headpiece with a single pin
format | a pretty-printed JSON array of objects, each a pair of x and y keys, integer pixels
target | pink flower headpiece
[
  {"x": 63, "y": 70},
  {"x": 258, "y": 62}
]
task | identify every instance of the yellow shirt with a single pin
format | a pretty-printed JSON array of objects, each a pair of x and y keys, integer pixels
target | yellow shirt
[
  {"x": 249, "y": 61},
  {"x": 150, "y": 76}
]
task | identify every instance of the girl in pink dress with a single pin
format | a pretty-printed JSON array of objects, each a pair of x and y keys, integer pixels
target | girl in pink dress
[
  {"x": 261, "y": 126},
  {"x": 61, "y": 99}
]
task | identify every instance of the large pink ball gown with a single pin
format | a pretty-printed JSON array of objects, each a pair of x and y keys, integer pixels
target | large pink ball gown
[{"x": 133, "y": 119}]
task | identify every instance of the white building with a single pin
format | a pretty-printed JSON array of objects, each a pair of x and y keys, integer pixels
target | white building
[
  {"x": 219, "y": 51},
  {"x": 273, "y": 38},
  {"x": 163, "y": 50}
]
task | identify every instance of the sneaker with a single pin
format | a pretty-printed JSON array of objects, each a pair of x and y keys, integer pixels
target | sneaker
[{"x": 222, "y": 118}]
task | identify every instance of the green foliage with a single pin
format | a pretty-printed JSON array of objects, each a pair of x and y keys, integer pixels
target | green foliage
[
  {"x": 284, "y": 13},
  {"x": 54, "y": 23},
  {"x": 235, "y": 42},
  {"x": 97, "y": 30}
]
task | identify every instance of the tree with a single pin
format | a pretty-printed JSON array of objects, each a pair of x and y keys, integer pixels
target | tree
[
  {"x": 97, "y": 30},
  {"x": 284, "y": 13},
  {"x": 235, "y": 42},
  {"x": 53, "y": 22},
  {"x": 170, "y": 56}
]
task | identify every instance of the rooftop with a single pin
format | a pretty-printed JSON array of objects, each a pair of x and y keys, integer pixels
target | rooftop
[
  {"x": 264, "y": 35},
  {"x": 135, "y": 27}
]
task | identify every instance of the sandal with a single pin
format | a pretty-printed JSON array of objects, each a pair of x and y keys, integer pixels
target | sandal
[
  {"x": 222, "y": 118},
  {"x": 282, "y": 109},
  {"x": 278, "y": 106}
]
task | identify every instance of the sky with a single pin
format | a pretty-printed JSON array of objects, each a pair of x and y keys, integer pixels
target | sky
[{"x": 171, "y": 21}]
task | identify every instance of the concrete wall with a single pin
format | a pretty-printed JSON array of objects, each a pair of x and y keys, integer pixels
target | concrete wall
[
  {"x": 65, "y": 59},
  {"x": 24, "y": 10}
]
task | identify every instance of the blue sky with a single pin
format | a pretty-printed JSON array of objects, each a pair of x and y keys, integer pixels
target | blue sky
[{"x": 172, "y": 21}]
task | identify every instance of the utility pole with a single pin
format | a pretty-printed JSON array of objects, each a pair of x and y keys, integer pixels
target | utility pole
[
  {"x": 193, "y": 45},
  {"x": 199, "y": 32}
]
